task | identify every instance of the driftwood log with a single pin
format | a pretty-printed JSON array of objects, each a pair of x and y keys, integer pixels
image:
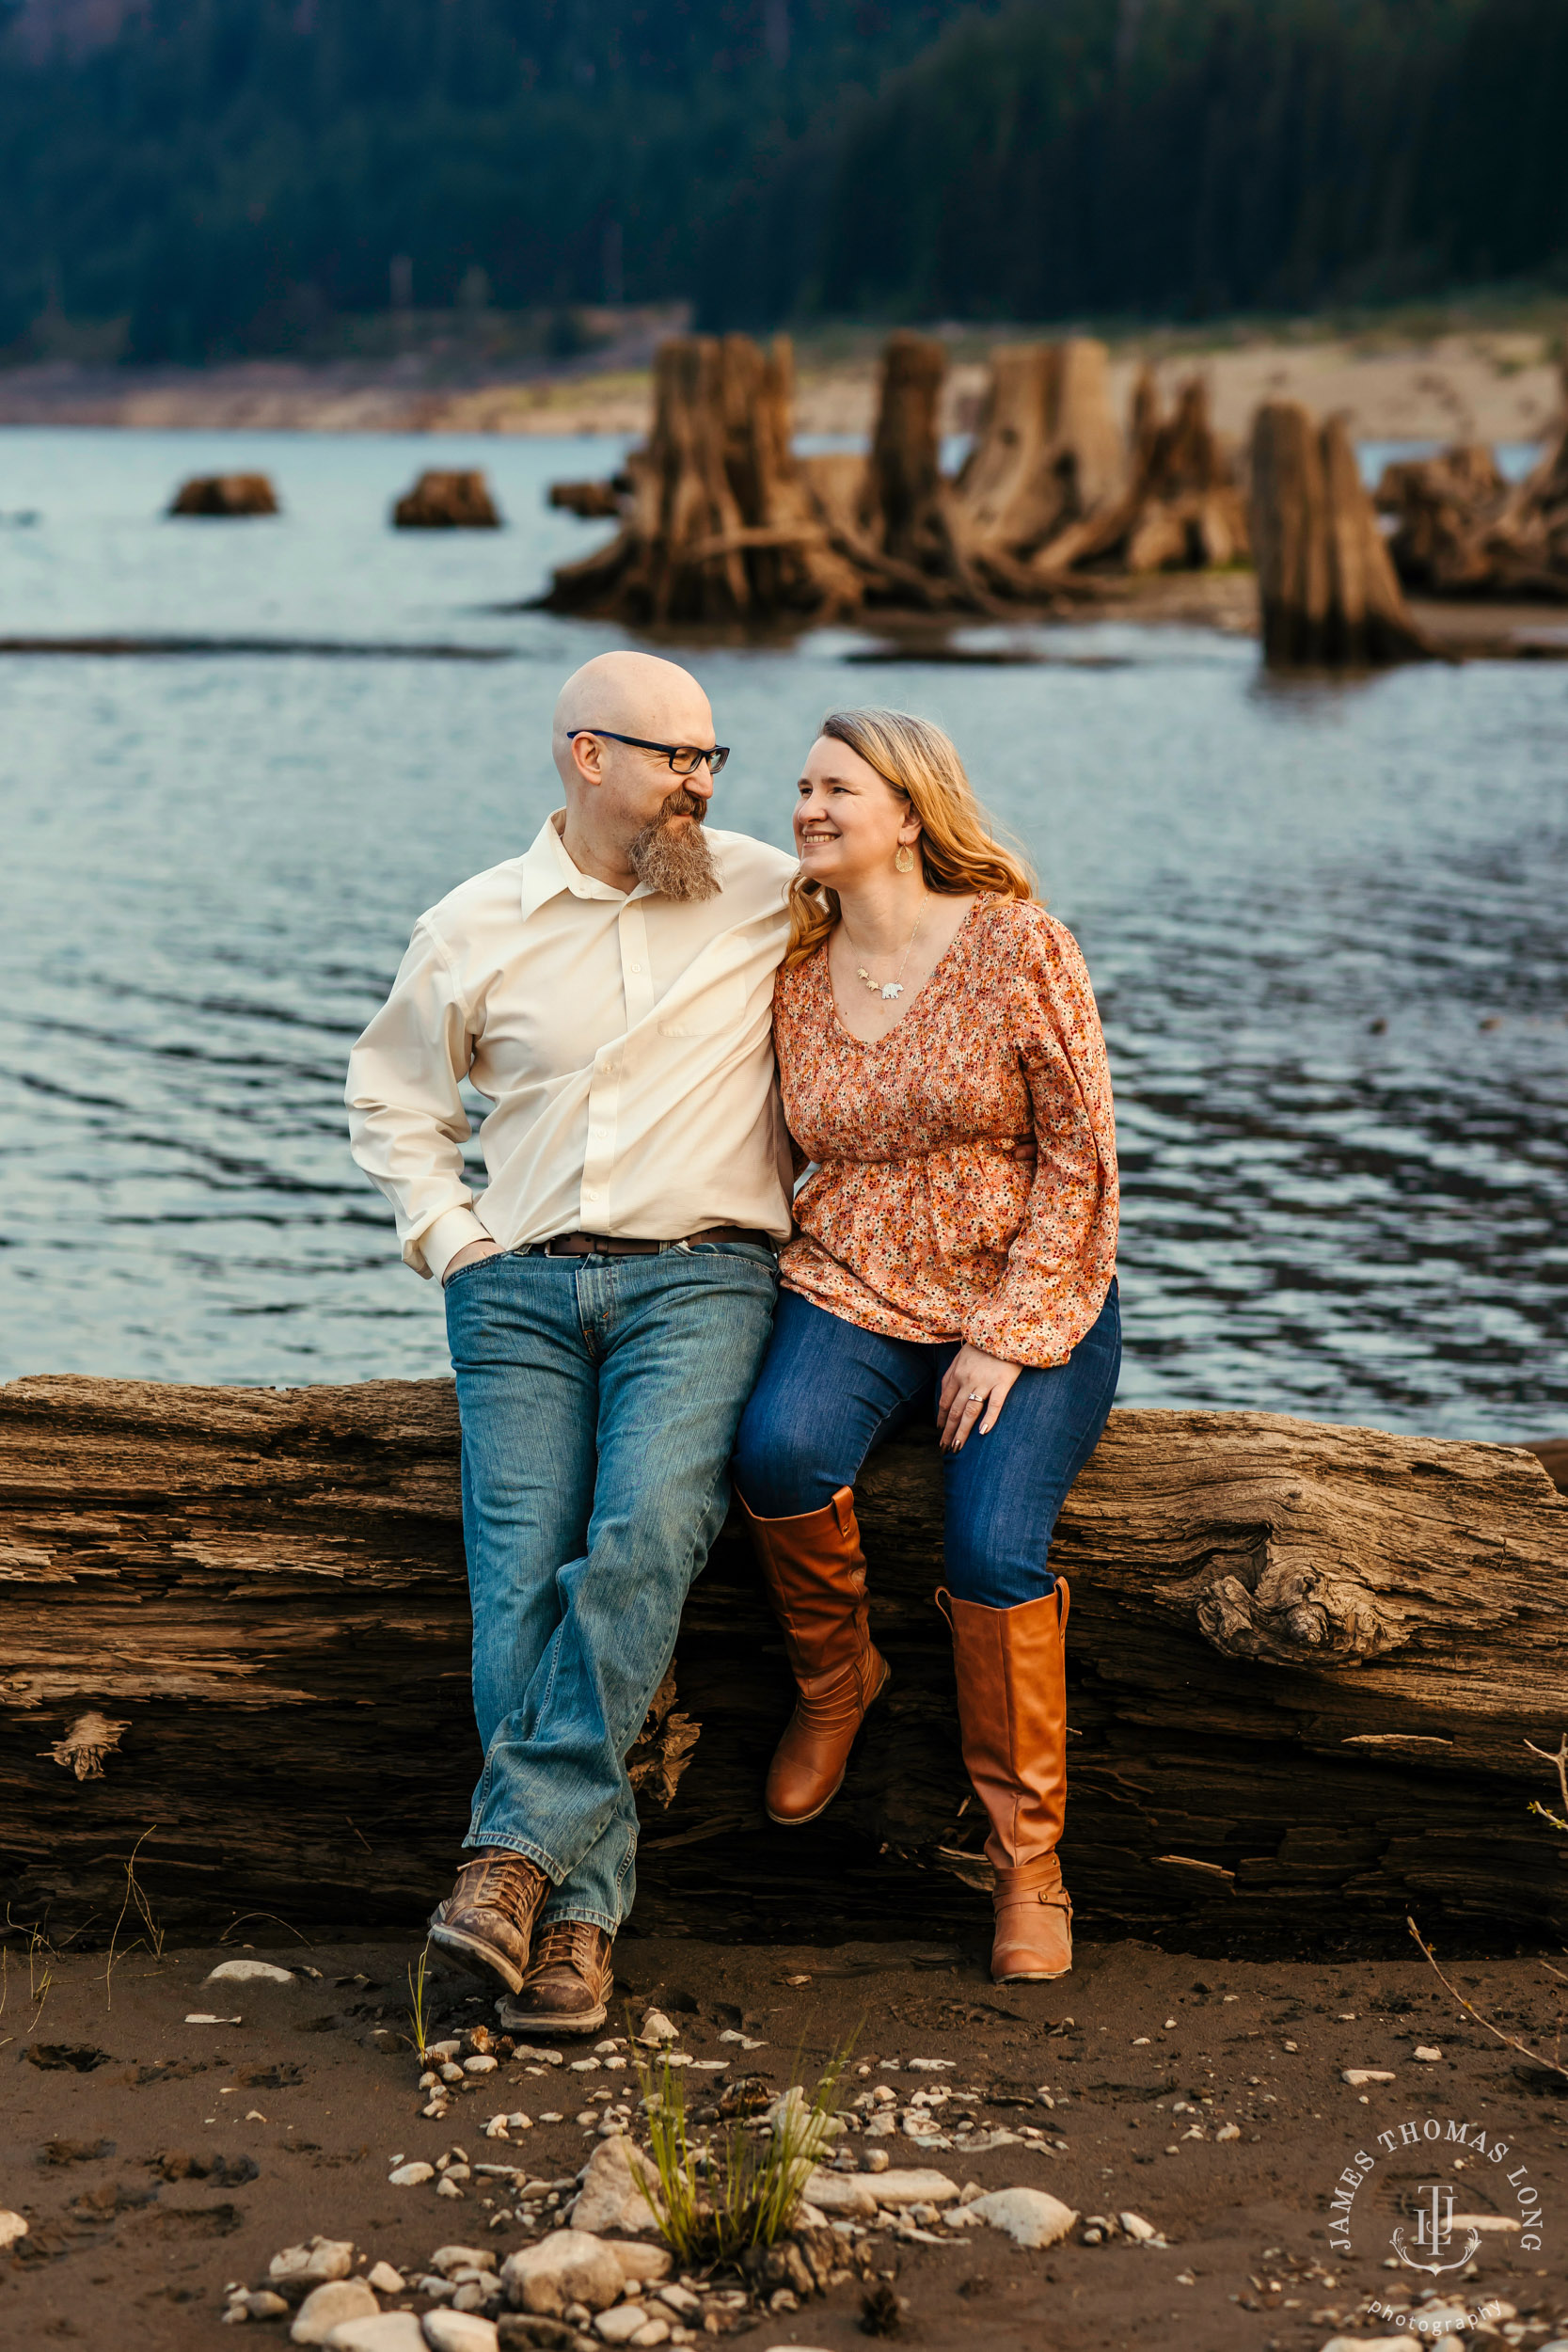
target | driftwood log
[
  {"x": 1459, "y": 530},
  {"x": 459, "y": 501},
  {"x": 232, "y": 495},
  {"x": 1304, "y": 1663},
  {"x": 1327, "y": 590}
]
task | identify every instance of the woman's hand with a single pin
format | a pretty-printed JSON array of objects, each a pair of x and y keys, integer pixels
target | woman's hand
[{"x": 976, "y": 1385}]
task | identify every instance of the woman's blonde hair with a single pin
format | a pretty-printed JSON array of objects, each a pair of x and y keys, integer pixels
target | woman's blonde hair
[{"x": 958, "y": 850}]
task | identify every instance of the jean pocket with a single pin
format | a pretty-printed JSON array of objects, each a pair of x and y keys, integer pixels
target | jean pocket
[
  {"x": 448, "y": 1281},
  {"x": 752, "y": 1250}
]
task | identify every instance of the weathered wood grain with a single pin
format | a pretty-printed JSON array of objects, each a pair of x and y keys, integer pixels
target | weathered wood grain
[{"x": 1303, "y": 1665}]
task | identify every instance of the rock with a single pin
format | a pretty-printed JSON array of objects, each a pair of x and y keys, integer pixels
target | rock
[
  {"x": 225, "y": 494},
  {"x": 627, "y": 2321},
  {"x": 447, "y": 501},
  {"x": 1135, "y": 2226},
  {"x": 1432, "y": 2057},
  {"x": 610, "y": 2197},
  {"x": 446, "y": 2186},
  {"x": 903, "y": 2188},
  {"x": 263, "y": 2304},
  {"x": 459, "y": 2331},
  {"x": 1228, "y": 2130},
  {"x": 327, "y": 2307},
  {"x": 1371, "y": 2344},
  {"x": 1029, "y": 2216},
  {"x": 1356, "y": 2075},
  {"x": 411, "y": 2175},
  {"x": 656, "y": 2028},
  {"x": 842, "y": 2196},
  {"x": 569, "y": 2267},
  {"x": 12, "y": 2228},
  {"x": 205, "y": 2017},
  {"x": 322, "y": 2257},
  {"x": 248, "y": 1972},
  {"x": 384, "y": 2279},
  {"x": 447, "y": 2259},
  {"x": 391, "y": 2332},
  {"x": 642, "y": 2262},
  {"x": 1482, "y": 2221},
  {"x": 483, "y": 2064},
  {"x": 931, "y": 2066}
]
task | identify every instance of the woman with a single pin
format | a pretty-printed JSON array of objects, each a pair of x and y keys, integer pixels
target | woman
[{"x": 941, "y": 1064}]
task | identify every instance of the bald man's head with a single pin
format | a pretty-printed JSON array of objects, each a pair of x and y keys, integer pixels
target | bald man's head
[
  {"x": 630, "y": 693},
  {"x": 627, "y": 811}
]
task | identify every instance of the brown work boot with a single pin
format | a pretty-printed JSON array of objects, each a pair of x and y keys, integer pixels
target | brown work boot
[
  {"x": 487, "y": 1922},
  {"x": 567, "y": 1989},
  {"x": 1010, "y": 1666},
  {"x": 815, "y": 1571}
]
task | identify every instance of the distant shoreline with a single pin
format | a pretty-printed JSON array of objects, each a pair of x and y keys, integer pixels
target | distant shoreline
[{"x": 1499, "y": 386}]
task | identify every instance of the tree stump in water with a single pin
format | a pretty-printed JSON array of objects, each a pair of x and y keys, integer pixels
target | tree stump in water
[
  {"x": 722, "y": 524},
  {"x": 595, "y": 501},
  {"x": 232, "y": 495},
  {"x": 1182, "y": 508},
  {"x": 1047, "y": 455},
  {"x": 447, "y": 501},
  {"x": 1303, "y": 1665},
  {"x": 1460, "y": 529},
  {"x": 1328, "y": 591}
]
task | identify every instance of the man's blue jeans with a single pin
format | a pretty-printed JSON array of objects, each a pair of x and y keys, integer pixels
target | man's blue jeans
[
  {"x": 599, "y": 1399},
  {"x": 829, "y": 1392}
]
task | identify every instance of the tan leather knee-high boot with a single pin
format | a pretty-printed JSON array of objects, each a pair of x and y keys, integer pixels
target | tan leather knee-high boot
[
  {"x": 815, "y": 1571},
  {"x": 1012, "y": 1716}
]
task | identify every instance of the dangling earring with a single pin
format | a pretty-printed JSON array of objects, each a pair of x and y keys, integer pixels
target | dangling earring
[{"x": 903, "y": 858}]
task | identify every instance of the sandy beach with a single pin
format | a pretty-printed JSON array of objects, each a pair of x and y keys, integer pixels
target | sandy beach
[
  {"x": 167, "y": 2135},
  {"x": 1497, "y": 385}
]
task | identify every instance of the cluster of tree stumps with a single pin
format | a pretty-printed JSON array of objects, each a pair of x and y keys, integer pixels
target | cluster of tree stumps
[
  {"x": 721, "y": 520},
  {"x": 1303, "y": 1666},
  {"x": 1460, "y": 529}
]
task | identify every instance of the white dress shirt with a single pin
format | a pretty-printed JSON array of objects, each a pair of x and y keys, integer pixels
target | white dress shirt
[{"x": 625, "y": 1041}]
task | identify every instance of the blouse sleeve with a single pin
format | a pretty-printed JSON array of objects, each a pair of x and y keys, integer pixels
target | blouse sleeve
[{"x": 1060, "y": 1266}]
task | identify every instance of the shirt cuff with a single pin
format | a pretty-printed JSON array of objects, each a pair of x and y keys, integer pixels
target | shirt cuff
[{"x": 439, "y": 1243}]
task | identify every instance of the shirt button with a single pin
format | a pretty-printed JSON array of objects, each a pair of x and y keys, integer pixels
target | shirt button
[
  {"x": 590, "y": 1194},
  {"x": 634, "y": 968}
]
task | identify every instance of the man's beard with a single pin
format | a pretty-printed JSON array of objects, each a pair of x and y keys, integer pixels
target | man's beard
[{"x": 676, "y": 858}]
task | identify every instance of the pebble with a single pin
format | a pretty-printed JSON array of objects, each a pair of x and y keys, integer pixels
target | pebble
[
  {"x": 584, "y": 2066},
  {"x": 931, "y": 2066},
  {"x": 12, "y": 2228},
  {"x": 411, "y": 2175},
  {"x": 249, "y": 1972},
  {"x": 623, "y": 2324},
  {"x": 384, "y": 2279},
  {"x": 875, "y": 2160},
  {"x": 1356, "y": 2075},
  {"x": 446, "y": 2186},
  {"x": 609, "y": 2197},
  {"x": 1228, "y": 2130},
  {"x": 746, "y": 2042},
  {"x": 439, "y": 2050},
  {"x": 447, "y": 2259},
  {"x": 569, "y": 2267},
  {"x": 656, "y": 2028},
  {"x": 459, "y": 2331},
  {"x": 1135, "y": 2226},
  {"x": 1371, "y": 2344},
  {"x": 480, "y": 2065},
  {"x": 326, "y": 2307},
  {"x": 204, "y": 2017},
  {"x": 1432, "y": 2057},
  {"x": 390, "y": 2331},
  {"x": 323, "y": 2258},
  {"x": 1028, "y": 2216},
  {"x": 646, "y": 2264}
]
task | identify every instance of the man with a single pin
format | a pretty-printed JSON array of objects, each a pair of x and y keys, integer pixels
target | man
[{"x": 609, "y": 1295}]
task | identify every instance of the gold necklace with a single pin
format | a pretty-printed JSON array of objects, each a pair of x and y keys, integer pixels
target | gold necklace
[{"x": 889, "y": 989}]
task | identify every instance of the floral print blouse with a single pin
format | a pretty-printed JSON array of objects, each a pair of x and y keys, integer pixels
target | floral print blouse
[{"x": 917, "y": 1221}]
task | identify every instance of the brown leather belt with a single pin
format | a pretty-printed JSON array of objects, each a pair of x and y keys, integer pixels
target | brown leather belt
[{"x": 611, "y": 1245}]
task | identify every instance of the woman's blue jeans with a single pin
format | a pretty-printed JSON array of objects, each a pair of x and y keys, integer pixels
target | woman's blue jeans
[
  {"x": 599, "y": 1398},
  {"x": 829, "y": 1392}
]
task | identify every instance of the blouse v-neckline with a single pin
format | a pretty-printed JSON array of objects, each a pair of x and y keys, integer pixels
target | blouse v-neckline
[{"x": 871, "y": 1044}]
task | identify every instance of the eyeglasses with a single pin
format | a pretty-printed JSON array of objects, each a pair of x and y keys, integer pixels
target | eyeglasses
[{"x": 684, "y": 758}]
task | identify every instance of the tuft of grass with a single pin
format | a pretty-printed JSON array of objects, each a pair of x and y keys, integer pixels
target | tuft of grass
[
  {"x": 136, "y": 1900},
  {"x": 419, "y": 1994},
  {"x": 717, "y": 2202}
]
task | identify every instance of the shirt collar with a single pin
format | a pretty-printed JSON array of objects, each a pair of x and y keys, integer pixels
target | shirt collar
[{"x": 547, "y": 871}]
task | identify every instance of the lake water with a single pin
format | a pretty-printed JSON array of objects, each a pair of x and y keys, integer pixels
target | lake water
[{"x": 1325, "y": 923}]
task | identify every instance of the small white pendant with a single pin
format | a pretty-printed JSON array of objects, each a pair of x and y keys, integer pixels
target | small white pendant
[{"x": 891, "y": 989}]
